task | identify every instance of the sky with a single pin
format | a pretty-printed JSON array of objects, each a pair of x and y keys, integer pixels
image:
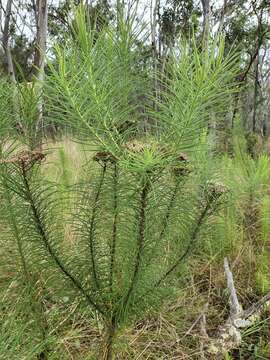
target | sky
[{"x": 27, "y": 24}]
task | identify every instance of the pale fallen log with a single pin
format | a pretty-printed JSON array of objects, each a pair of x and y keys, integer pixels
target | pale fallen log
[{"x": 229, "y": 334}]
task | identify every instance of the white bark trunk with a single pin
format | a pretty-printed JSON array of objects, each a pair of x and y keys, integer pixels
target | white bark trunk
[
  {"x": 206, "y": 21},
  {"x": 39, "y": 61},
  {"x": 42, "y": 24},
  {"x": 5, "y": 42},
  {"x": 222, "y": 16},
  {"x": 155, "y": 53}
]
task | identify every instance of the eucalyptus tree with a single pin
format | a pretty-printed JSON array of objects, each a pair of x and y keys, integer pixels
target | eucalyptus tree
[
  {"x": 245, "y": 25},
  {"x": 6, "y": 41}
]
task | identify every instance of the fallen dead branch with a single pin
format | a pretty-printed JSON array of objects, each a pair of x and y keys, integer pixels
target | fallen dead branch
[{"x": 229, "y": 334}]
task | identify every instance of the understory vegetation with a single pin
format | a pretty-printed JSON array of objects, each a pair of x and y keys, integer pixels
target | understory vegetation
[
  {"x": 133, "y": 226},
  {"x": 53, "y": 317}
]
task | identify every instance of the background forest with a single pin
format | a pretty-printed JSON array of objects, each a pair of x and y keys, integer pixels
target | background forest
[{"x": 134, "y": 179}]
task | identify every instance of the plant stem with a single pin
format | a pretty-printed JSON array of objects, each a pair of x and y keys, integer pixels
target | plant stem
[
  {"x": 44, "y": 237},
  {"x": 189, "y": 247},
  {"x": 92, "y": 225},
  {"x": 16, "y": 233},
  {"x": 140, "y": 239},
  {"x": 115, "y": 220},
  {"x": 193, "y": 237},
  {"x": 108, "y": 353},
  {"x": 36, "y": 307},
  {"x": 168, "y": 211}
]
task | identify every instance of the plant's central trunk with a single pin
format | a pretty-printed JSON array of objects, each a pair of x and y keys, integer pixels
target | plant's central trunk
[
  {"x": 108, "y": 349},
  {"x": 140, "y": 239}
]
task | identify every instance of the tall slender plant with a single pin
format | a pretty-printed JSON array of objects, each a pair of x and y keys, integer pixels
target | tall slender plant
[{"x": 139, "y": 217}]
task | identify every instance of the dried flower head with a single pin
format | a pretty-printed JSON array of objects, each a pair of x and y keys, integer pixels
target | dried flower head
[
  {"x": 104, "y": 157},
  {"x": 25, "y": 158},
  {"x": 136, "y": 146},
  {"x": 183, "y": 158},
  {"x": 215, "y": 190},
  {"x": 183, "y": 166}
]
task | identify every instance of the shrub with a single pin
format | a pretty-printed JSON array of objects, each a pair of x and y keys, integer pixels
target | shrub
[{"x": 139, "y": 217}]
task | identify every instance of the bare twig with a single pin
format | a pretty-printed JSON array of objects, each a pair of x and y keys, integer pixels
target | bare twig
[
  {"x": 235, "y": 307},
  {"x": 255, "y": 308},
  {"x": 228, "y": 335}
]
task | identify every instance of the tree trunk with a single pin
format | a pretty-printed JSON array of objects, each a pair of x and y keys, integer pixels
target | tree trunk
[
  {"x": 109, "y": 339},
  {"x": 242, "y": 78},
  {"x": 255, "y": 96},
  {"x": 155, "y": 53},
  {"x": 5, "y": 42},
  {"x": 222, "y": 16},
  {"x": 206, "y": 22},
  {"x": 39, "y": 62},
  {"x": 9, "y": 62}
]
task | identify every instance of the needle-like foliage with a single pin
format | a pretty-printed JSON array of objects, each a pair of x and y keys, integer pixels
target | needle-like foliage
[{"x": 138, "y": 215}]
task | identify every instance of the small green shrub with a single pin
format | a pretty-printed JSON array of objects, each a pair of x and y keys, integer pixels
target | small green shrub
[{"x": 139, "y": 213}]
